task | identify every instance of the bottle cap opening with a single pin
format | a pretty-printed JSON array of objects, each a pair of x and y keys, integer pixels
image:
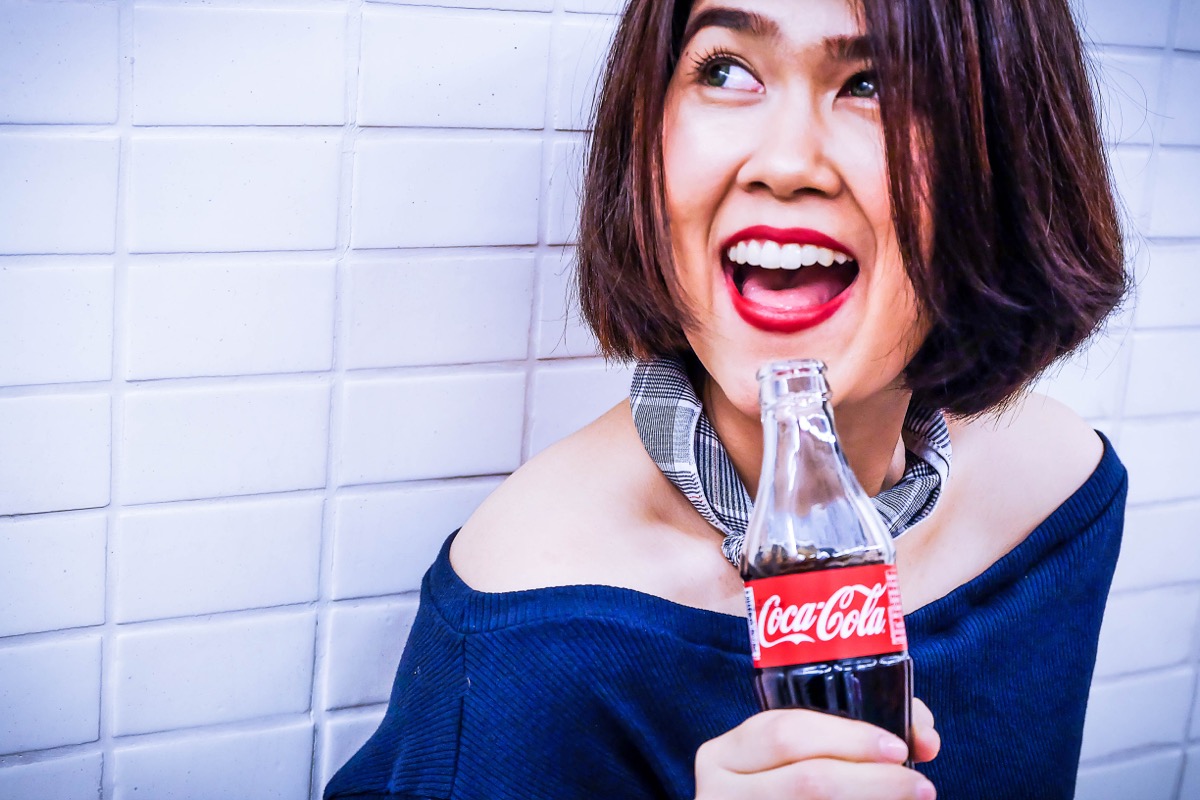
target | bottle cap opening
[{"x": 799, "y": 378}]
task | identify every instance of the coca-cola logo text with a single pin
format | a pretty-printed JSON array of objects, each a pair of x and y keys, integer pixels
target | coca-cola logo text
[{"x": 851, "y": 611}]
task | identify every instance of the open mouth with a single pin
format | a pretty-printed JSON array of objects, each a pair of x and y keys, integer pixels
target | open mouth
[{"x": 788, "y": 281}]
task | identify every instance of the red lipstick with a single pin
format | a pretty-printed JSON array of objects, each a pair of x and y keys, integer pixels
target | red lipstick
[
  {"x": 787, "y": 236},
  {"x": 781, "y": 318}
]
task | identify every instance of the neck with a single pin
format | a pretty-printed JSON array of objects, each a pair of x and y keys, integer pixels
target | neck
[{"x": 869, "y": 431}]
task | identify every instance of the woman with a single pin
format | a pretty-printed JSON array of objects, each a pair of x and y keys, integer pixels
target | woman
[{"x": 917, "y": 195}]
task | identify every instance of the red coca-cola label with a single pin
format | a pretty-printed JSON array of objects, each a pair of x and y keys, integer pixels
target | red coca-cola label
[{"x": 825, "y": 615}]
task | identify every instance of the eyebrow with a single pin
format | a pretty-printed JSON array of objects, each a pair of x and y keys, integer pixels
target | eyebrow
[
  {"x": 734, "y": 19},
  {"x": 837, "y": 48}
]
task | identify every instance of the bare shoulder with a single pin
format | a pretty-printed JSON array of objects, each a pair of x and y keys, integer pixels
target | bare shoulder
[
  {"x": 591, "y": 509},
  {"x": 1010, "y": 471},
  {"x": 1023, "y": 463}
]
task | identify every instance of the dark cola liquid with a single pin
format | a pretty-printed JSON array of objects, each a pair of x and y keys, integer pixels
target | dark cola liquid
[{"x": 875, "y": 689}]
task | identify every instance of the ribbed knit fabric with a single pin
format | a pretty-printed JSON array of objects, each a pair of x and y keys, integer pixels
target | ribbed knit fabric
[{"x": 598, "y": 692}]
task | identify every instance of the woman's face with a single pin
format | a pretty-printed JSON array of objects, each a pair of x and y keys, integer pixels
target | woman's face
[{"x": 777, "y": 197}]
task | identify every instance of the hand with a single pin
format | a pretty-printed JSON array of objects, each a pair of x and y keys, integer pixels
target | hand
[{"x": 797, "y": 754}]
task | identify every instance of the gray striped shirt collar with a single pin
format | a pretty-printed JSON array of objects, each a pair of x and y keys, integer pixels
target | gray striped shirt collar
[{"x": 679, "y": 437}]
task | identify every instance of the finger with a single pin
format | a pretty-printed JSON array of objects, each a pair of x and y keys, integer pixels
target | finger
[
  {"x": 927, "y": 743},
  {"x": 773, "y": 739},
  {"x": 822, "y": 778},
  {"x": 926, "y": 740},
  {"x": 922, "y": 716}
]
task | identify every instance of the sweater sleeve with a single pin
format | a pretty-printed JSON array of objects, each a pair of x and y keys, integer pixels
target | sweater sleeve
[
  {"x": 592, "y": 707},
  {"x": 561, "y": 709}
]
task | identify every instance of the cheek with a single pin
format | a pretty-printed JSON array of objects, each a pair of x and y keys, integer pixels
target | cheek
[
  {"x": 687, "y": 174},
  {"x": 694, "y": 177}
]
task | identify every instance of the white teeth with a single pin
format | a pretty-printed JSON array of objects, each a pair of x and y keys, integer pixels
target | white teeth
[
  {"x": 770, "y": 255},
  {"x": 754, "y": 253},
  {"x": 790, "y": 258}
]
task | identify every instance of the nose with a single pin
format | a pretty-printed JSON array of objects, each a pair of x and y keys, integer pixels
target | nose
[{"x": 790, "y": 157}]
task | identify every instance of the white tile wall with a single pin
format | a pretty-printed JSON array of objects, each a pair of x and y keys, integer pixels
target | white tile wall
[
  {"x": 58, "y": 62},
  {"x": 438, "y": 310},
  {"x": 175, "y": 560},
  {"x": 415, "y": 428},
  {"x": 56, "y": 324},
  {"x": 271, "y": 764},
  {"x": 58, "y": 194},
  {"x": 344, "y": 733},
  {"x": 568, "y": 396},
  {"x": 69, "y": 778},
  {"x": 229, "y": 66},
  {"x": 1140, "y": 711},
  {"x": 1190, "y": 787},
  {"x": 561, "y": 331},
  {"x": 1164, "y": 296},
  {"x": 411, "y": 78},
  {"x": 1145, "y": 23},
  {"x": 211, "y": 193},
  {"x": 1092, "y": 382},
  {"x": 1130, "y": 169},
  {"x": 165, "y": 677},
  {"x": 564, "y": 188},
  {"x": 1187, "y": 28},
  {"x": 228, "y": 319},
  {"x": 1177, "y": 177},
  {"x": 513, "y": 5},
  {"x": 1127, "y": 86},
  {"x": 1156, "y": 617},
  {"x": 238, "y": 440},
  {"x": 50, "y": 695},
  {"x": 284, "y": 293},
  {"x": 1162, "y": 379},
  {"x": 1152, "y": 777},
  {"x": 365, "y": 641},
  {"x": 1181, "y": 123},
  {"x": 1156, "y": 453},
  {"x": 52, "y": 571},
  {"x": 54, "y": 453},
  {"x": 1160, "y": 546},
  {"x": 385, "y": 540},
  {"x": 430, "y": 191},
  {"x": 595, "y": 6},
  {"x": 580, "y": 48}
]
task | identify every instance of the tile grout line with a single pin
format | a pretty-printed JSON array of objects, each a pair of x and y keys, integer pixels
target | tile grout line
[
  {"x": 117, "y": 393},
  {"x": 542, "y": 250},
  {"x": 1162, "y": 97},
  {"x": 322, "y": 631}
]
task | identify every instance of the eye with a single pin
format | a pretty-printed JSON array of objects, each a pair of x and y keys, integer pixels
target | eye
[
  {"x": 721, "y": 71},
  {"x": 863, "y": 85}
]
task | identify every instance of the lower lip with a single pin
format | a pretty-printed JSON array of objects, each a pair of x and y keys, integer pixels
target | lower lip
[{"x": 783, "y": 320}]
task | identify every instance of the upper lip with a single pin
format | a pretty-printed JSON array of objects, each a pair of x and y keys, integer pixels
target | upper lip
[{"x": 787, "y": 236}]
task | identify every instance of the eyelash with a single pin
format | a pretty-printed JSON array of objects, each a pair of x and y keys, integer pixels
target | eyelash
[{"x": 703, "y": 62}]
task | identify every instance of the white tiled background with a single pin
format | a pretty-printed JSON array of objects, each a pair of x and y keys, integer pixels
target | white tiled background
[{"x": 283, "y": 297}]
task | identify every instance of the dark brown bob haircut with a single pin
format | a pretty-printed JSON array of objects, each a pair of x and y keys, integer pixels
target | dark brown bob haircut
[{"x": 1026, "y": 257}]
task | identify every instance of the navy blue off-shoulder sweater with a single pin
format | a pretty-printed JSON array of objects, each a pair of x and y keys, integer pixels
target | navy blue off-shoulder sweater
[{"x": 599, "y": 692}]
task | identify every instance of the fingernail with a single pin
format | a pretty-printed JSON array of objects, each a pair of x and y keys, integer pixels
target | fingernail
[
  {"x": 892, "y": 748},
  {"x": 925, "y": 790}
]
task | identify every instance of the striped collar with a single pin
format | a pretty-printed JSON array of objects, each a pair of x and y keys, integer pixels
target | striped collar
[{"x": 682, "y": 441}]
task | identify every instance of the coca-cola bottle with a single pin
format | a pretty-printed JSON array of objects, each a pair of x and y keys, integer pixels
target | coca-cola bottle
[{"x": 826, "y": 624}]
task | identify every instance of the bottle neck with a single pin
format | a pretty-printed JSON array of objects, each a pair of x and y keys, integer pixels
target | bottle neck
[
  {"x": 808, "y": 501},
  {"x": 801, "y": 456}
]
